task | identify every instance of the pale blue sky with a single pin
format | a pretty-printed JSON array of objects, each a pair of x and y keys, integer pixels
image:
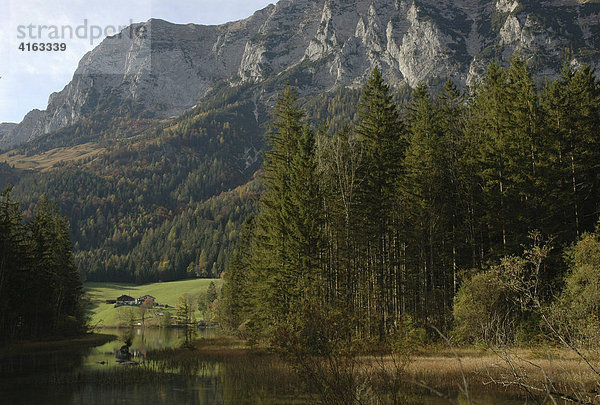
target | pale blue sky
[{"x": 28, "y": 78}]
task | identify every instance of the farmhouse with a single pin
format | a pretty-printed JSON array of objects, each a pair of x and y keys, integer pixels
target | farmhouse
[
  {"x": 125, "y": 300},
  {"x": 151, "y": 300}
]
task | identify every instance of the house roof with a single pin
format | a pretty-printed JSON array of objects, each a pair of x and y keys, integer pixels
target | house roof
[
  {"x": 125, "y": 298},
  {"x": 143, "y": 297}
]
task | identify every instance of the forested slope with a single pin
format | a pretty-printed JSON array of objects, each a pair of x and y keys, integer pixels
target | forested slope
[{"x": 158, "y": 200}]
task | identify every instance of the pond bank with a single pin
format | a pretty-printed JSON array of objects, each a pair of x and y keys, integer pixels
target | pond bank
[{"x": 89, "y": 340}]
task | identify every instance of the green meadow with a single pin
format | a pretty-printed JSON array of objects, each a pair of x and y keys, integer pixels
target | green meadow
[{"x": 106, "y": 315}]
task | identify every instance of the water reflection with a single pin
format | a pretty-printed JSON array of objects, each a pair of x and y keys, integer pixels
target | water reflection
[
  {"x": 101, "y": 375},
  {"x": 134, "y": 344},
  {"x": 79, "y": 375}
]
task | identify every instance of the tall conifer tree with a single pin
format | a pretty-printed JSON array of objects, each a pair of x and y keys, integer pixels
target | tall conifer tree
[
  {"x": 426, "y": 187},
  {"x": 305, "y": 218},
  {"x": 380, "y": 131},
  {"x": 273, "y": 277}
]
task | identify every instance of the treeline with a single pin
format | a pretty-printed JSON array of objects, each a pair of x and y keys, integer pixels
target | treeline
[
  {"x": 40, "y": 289},
  {"x": 381, "y": 222},
  {"x": 194, "y": 243}
]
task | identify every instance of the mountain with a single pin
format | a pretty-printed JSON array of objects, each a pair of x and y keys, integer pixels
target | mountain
[
  {"x": 163, "y": 69},
  {"x": 151, "y": 150},
  {"x": 5, "y": 127}
]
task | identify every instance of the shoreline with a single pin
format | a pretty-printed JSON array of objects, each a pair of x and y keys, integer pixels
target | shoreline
[
  {"x": 436, "y": 369},
  {"x": 433, "y": 368},
  {"x": 29, "y": 346}
]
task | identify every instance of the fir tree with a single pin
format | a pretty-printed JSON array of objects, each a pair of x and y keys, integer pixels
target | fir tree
[
  {"x": 488, "y": 127},
  {"x": 380, "y": 131},
  {"x": 305, "y": 217},
  {"x": 40, "y": 288},
  {"x": 235, "y": 306},
  {"x": 426, "y": 189},
  {"x": 13, "y": 263},
  {"x": 56, "y": 274},
  {"x": 273, "y": 278},
  {"x": 570, "y": 105}
]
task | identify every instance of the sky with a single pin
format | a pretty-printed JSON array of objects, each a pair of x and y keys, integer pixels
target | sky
[{"x": 28, "y": 77}]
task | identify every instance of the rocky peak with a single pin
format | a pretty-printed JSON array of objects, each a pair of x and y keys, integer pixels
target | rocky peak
[
  {"x": 325, "y": 41},
  {"x": 506, "y": 6},
  {"x": 167, "y": 68}
]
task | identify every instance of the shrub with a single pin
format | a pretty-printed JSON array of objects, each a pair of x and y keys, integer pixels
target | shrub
[
  {"x": 577, "y": 311},
  {"x": 484, "y": 310}
]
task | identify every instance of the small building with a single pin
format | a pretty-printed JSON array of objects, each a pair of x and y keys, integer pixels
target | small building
[
  {"x": 145, "y": 298},
  {"x": 111, "y": 301},
  {"x": 125, "y": 300}
]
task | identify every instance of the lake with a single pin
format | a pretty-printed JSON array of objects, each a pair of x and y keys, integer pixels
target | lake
[{"x": 96, "y": 376}]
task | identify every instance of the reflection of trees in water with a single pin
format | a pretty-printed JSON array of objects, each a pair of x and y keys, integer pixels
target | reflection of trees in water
[
  {"x": 126, "y": 336},
  {"x": 216, "y": 378},
  {"x": 38, "y": 365},
  {"x": 36, "y": 377},
  {"x": 189, "y": 379},
  {"x": 181, "y": 377}
]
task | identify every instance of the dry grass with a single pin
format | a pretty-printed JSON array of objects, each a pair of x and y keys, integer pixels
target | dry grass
[
  {"x": 488, "y": 372},
  {"x": 47, "y": 160},
  {"x": 438, "y": 368}
]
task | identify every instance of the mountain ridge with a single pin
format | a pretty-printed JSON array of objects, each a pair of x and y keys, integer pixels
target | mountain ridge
[{"x": 164, "y": 69}]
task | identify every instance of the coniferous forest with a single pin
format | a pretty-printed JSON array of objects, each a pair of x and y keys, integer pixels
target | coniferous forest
[
  {"x": 40, "y": 288},
  {"x": 417, "y": 212}
]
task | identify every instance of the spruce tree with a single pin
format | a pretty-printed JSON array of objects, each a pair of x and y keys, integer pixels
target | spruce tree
[
  {"x": 451, "y": 119},
  {"x": 55, "y": 287},
  {"x": 381, "y": 134},
  {"x": 235, "y": 305},
  {"x": 14, "y": 262},
  {"x": 272, "y": 277},
  {"x": 487, "y": 129},
  {"x": 524, "y": 167},
  {"x": 426, "y": 189},
  {"x": 305, "y": 218},
  {"x": 570, "y": 105}
]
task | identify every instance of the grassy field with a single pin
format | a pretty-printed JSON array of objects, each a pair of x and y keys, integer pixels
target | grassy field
[
  {"x": 105, "y": 315},
  {"x": 46, "y": 160}
]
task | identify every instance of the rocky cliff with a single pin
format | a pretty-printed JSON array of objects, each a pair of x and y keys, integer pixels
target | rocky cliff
[
  {"x": 5, "y": 127},
  {"x": 316, "y": 45}
]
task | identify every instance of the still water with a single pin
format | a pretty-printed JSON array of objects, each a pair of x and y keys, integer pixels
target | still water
[{"x": 99, "y": 376}]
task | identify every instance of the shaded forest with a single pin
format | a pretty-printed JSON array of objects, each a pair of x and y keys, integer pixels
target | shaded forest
[
  {"x": 40, "y": 289},
  {"x": 177, "y": 178}
]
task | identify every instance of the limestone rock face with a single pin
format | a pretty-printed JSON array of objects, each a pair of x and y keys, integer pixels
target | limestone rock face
[
  {"x": 164, "y": 69},
  {"x": 26, "y": 130},
  {"x": 5, "y": 127}
]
